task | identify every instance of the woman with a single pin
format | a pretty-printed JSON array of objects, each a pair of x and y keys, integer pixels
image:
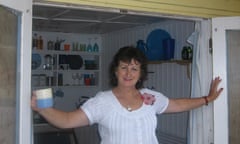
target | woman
[{"x": 126, "y": 114}]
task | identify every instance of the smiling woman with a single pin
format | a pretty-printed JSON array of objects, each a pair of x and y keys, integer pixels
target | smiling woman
[
  {"x": 128, "y": 73},
  {"x": 128, "y": 112},
  {"x": 129, "y": 57}
]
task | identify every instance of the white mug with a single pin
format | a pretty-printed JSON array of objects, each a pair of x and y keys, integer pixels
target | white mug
[{"x": 44, "y": 98}]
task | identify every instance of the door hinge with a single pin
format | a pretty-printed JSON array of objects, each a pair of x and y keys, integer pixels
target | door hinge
[{"x": 210, "y": 45}]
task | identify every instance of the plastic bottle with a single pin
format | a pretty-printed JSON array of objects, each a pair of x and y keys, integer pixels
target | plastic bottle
[
  {"x": 190, "y": 53},
  {"x": 34, "y": 41},
  {"x": 40, "y": 43}
]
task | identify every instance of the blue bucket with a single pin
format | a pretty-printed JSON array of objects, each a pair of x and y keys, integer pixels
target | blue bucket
[{"x": 168, "y": 48}]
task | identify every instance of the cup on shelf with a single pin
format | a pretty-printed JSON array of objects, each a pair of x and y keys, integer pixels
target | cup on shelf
[
  {"x": 95, "y": 46},
  {"x": 82, "y": 47},
  {"x": 74, "y": 77},
  {"x": 44, "y": 98},
  {"x": 66, "y": 47},
  {"x": 75, "y": 46},
  {"x": 89, "y": 46},
  {"x": 80, "y": 79}
]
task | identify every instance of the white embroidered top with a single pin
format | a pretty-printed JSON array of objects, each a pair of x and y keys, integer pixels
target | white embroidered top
[{"x": 117, "y": 125}]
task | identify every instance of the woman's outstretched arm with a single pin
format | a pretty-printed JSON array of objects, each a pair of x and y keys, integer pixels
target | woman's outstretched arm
[
  {"x": 185, "y": 104},
  {"x": 60, "y": 118}
]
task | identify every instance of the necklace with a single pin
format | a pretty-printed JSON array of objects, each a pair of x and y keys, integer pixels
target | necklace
[
  {"x": 123, "y": 100},
  {"x": 129, "y": 108}
]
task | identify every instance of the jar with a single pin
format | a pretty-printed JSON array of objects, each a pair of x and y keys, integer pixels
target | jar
[
  {"x": 190, "y": 53},
  {"x": 187, "y": 53},
  {"x": 40, "y": 43},
  {"x": 49, "y": 61},
  {"x": 50, "y": 45}
]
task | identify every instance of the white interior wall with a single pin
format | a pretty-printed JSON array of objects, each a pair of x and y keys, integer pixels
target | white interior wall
[
  {"x": 111, "y": 42},
  {"x": 169, "y": 78},
  {"x": 172, "y": 80}
]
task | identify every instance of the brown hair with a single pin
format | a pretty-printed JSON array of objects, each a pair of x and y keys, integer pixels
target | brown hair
[{"x": 126, "y": 54}]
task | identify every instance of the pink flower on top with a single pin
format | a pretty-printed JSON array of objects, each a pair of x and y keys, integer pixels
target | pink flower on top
[{"x": 148, "y": 99}]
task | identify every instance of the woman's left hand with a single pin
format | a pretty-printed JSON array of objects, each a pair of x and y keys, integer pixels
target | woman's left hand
[{"x": 214, "y": 91}]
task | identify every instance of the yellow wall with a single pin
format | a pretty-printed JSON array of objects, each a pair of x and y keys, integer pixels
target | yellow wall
[{"x": 197, "y": 8}]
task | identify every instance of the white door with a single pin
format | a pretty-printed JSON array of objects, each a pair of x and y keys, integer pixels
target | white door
[
  {"x": 226, "y": 63},
  {"x": 15, "y": 71}
]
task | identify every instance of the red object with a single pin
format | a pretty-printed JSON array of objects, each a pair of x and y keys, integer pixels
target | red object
[{"x": 148, "y": 99}]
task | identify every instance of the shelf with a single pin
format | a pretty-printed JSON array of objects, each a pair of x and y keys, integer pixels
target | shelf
[
  {"x": 180, "y": 62},
  {"x": 66, "y": 86},
  {"x": 64, "y": 52},
  {"x": 80, "y": 71}
]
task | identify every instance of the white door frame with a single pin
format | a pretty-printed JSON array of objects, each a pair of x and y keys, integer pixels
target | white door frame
[
  {"x": 220, "y": 25},
  {"x": 23, "y": 85}
]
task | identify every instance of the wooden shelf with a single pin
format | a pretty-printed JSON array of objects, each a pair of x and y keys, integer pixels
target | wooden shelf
[{"x": 180, "y": 62}]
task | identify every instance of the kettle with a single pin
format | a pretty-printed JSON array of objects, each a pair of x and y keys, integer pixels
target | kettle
[{"x": 49, "y": 62}]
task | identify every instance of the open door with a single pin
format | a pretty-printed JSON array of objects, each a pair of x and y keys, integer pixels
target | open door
[
  {"x": 226, "y": 64},
  {"x": 15, "y": 69}
]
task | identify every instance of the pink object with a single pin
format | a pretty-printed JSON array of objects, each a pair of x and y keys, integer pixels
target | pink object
[{"x": 148, "y": 99}]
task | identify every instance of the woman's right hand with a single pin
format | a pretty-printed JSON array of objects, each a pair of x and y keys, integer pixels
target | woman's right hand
[
  {"x": 60, "y": 118},
  {"x": 34, "y": 102}
]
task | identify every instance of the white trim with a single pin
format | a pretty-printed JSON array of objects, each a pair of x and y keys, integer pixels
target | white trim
[
  {"x": 14, "y": 4},
  {"x": 25, "y": 119},
  {"x": 220, "y": 25}
]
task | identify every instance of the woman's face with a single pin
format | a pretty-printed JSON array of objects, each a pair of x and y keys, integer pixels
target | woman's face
[{"x": 128, "y": 74}]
